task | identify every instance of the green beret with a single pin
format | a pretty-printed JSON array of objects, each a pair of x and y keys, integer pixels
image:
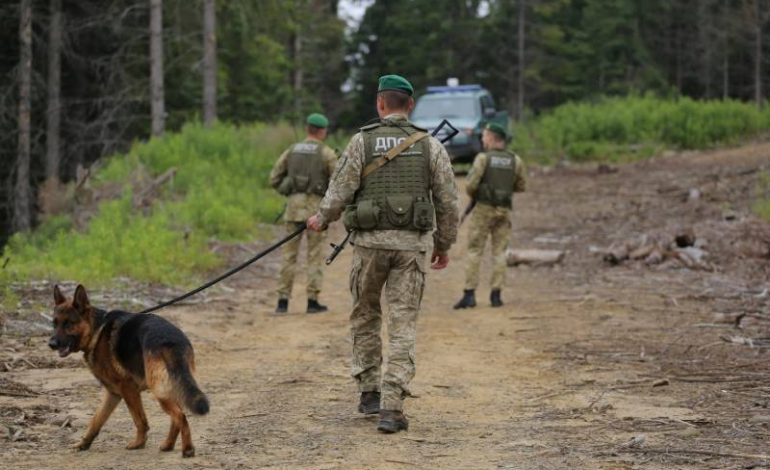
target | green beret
[
  {"x": 497, "y": 129},
  {"x": 395, "y": 83},
  {"x": 317, "y": 120}
]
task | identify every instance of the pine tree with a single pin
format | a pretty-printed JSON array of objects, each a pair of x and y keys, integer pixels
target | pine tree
[{"x": 22, "y": 215}]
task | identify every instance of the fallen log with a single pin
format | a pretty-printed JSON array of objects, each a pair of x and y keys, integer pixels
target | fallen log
[{"x": 533, "y": 257}]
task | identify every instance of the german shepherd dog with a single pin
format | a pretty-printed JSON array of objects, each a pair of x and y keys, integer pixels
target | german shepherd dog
[{"x": 129, "y": 353}]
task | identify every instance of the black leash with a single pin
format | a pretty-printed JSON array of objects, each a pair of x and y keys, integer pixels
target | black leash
[{"x": 301, "y": 228}]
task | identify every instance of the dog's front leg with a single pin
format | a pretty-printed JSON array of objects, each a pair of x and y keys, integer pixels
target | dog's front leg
[
  {"x": 134, "y": 403},
  {"x": 109, "y": 402}
]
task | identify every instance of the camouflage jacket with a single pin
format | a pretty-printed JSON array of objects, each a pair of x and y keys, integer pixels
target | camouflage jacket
[
  {"x": 300, "y": 206},
  {"x": 347, "y": 179}
]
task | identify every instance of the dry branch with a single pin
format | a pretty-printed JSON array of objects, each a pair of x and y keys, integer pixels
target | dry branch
[{"x": 144, "y": 197}]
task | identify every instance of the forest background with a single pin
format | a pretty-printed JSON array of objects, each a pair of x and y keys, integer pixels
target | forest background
[{"x": 87, "y": 79}]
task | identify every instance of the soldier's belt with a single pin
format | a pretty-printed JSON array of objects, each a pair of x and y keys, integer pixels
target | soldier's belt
[{"x": 393, "y": 153}]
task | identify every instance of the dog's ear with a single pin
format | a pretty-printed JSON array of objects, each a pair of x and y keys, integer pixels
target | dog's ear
[
  {"x": 80, "y": 301},
  {"x": 58, "y": 297}
]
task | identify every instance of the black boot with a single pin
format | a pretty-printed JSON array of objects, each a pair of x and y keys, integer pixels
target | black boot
[
  {"x": 283, "y": 306},
  {"x": 494, "y": 298},
  {"x": 314, "y": 307},
  {"x": 392, "y": 421},
  {"x": 468, "y": 300},
  {"x": 370, "y": 403}
]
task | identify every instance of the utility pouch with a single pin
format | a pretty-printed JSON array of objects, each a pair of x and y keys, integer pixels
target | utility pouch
[
  {"x": 399, "y": 210},
  {"x": 286, "y": 187},
  {"x": 301, "y": 183},
  {"x": 367, "y": 214},
  {"x": 361, "y": 216},
  {"x": 423, "y": 214}
]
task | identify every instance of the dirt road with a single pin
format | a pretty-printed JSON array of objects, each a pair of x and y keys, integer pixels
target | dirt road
[{"x": 587, "y": 365}]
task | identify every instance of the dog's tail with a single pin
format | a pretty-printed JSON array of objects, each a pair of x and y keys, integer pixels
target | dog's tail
[{"x": 189, "y": 393}]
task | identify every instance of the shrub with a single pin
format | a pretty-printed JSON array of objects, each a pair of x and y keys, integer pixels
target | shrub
[
  {"x": 614, "y": 128},
  {"x": 220, "y": 191}
]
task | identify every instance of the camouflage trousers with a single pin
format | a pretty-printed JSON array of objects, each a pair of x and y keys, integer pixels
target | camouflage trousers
[
  {"x": 315, "y": 244},
  {"x": 494, "y": 222},
  {"x": 402, "y": 273}
]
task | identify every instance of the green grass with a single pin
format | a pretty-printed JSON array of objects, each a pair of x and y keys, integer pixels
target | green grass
[
  {"x": 629, "y": 128},
  {"x": 219, "y": 192}
]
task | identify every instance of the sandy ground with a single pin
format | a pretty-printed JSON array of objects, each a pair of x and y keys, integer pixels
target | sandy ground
[{"x": 586, "y": 366}]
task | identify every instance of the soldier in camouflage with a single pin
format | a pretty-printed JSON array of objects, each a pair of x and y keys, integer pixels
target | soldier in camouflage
[
  {"x": 496, "y": 174},
  {"x": 397, "y": 190},
  {"x": 302, "y": 174}
]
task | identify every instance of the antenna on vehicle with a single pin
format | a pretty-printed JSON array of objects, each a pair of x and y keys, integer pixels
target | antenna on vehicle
[{"x": 452, "y": 81}]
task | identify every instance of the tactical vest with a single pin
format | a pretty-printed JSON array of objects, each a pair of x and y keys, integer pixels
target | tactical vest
[
  {"x": 307, "y": 171},
  {"x": 397, "y": 195},
  {"x": 496, "y": 187}
]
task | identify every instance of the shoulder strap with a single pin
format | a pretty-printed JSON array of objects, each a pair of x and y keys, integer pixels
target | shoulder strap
[{"x": 393, "y": 153}]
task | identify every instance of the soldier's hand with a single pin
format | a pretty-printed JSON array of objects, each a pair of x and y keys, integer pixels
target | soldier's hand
[
  {"x": 439, "y": 260},
  {"x": 314, "y": 223}
]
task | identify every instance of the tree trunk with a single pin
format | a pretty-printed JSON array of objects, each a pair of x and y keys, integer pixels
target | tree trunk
[
  {"x": 726, "y": 77},
  {"x": 705, "y": 32},
  {"x": 679, "y": 46},
  {"x": 157, "y": 99},
  {"x": 758, "y": 16},
  {"x": 298, "y": 73},
  {"x": 53, "y": 126},
  {"x": 725, "y": 50},
  {"x": 22, "y": 217},
  {"x": 521, "y": 65},
  {"x": 209, "y": 63}
]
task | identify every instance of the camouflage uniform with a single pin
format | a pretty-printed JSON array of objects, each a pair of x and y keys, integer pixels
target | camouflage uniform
[
  {"x": 396, "y": 260},
  {"x": 300, "y": 206},
  {"x": 489, "y": 220}
]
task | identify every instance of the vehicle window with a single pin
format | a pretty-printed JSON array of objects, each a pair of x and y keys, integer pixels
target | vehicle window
[
  {"x": 487, "y": 103},
  {"x": 445, "y": 107}
]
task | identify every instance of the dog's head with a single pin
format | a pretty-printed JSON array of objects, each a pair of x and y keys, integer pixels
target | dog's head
[{"x": 72, "y": 322}]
